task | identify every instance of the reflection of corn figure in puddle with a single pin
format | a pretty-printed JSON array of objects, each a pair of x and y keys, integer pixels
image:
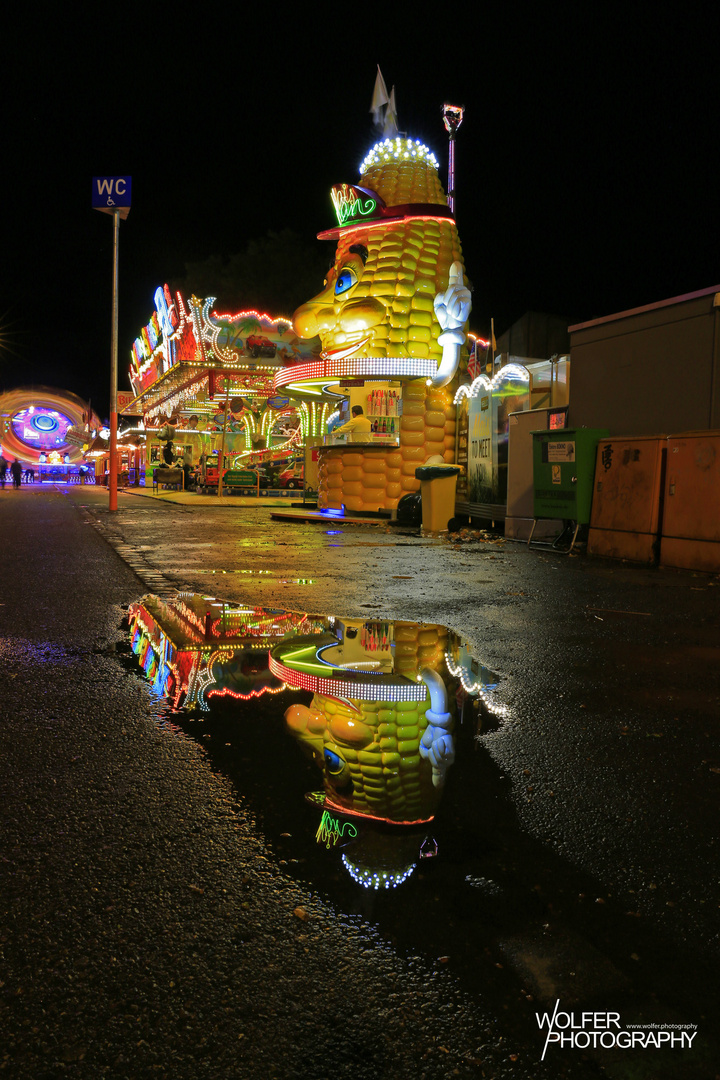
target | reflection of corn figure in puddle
[
  {"x": 384, "y": 760},
  {"x": 396, "y": 290}
]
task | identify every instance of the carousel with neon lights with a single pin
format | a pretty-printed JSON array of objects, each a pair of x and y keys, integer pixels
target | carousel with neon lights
[
  {"x": 203, "y": 383},
  {"x": 47, "y": 430},
  {"x": 196, "y": 649}
]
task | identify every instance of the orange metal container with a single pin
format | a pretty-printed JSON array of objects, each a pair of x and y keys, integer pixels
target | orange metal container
[
  {"x": 691, "y": 519},
  {"x": 625, "y": 517}
]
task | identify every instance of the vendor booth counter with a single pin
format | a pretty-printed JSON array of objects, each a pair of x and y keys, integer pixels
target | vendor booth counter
[{"x": 363, "y": 477}]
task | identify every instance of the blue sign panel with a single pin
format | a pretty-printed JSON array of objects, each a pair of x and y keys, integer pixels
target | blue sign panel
[{"x": 112, "y": 193}]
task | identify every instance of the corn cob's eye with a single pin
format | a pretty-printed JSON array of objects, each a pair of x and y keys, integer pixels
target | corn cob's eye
[
  {"x": 345, "y": 280},
  {"x": 336, "y": 770},
  {"x": 333, "y": 762}
]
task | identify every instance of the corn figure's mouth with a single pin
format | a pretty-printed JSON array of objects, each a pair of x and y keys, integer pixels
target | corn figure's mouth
[{"x": 346, "y": 350}]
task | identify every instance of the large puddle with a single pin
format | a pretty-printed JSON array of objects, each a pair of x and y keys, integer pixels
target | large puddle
[
  {"x": 353, "y": 743},
  {"x": 381, "y": 707},
  {"x": 358, "y": 748}
]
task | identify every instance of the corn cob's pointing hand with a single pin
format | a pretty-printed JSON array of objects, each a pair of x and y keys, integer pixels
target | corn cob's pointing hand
[{"x": 452, "y": 307}]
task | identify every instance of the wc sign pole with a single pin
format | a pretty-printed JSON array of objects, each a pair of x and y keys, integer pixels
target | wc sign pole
[{"x": 111, "y": 195}]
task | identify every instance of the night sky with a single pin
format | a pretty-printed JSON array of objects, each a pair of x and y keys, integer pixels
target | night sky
[{"x": 587, "y": 172}]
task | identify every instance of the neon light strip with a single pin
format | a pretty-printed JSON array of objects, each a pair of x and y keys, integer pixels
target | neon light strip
[
  {"x": 484, "y": 385},
  {"x": 356, "y": 367},
  {"x": 329, "y": 234},
  {"x": 246, "y": 697},
  {"x": 476, "y": 689},
  {"x": 260, "y": 316},
  {"x": 373, "y": 817},
  {"x": 358, "y": 691}
]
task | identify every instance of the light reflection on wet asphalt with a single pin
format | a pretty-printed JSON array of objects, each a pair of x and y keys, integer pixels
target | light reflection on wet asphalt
[
  {"x": 589, "y": 789},
  {"x": 469, "y": 888}
]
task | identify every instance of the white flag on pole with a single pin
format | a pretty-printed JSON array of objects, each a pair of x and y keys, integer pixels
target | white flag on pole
[
  {"x": 379, "y": 98},
  {"x": 390, "y": 127}
]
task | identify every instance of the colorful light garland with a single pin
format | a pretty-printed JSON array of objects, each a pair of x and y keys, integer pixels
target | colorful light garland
[
  {"x": 377, "y": 879},
  {"x": 476, "y": 689}
]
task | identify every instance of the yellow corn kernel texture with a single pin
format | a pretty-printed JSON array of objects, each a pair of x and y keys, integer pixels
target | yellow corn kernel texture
[
  {"x": 362, "y": 479},
  {"x": 389, "y": 778},
  {"x": 408, "y": 264},
  {"x": 398, "y": 182}
]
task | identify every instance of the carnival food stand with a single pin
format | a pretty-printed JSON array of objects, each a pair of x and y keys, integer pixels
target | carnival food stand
[{"x": 391, "y": 319}]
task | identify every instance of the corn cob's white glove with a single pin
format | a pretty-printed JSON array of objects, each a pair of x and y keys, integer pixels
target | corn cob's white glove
[
  {"x": 452, "y": 310},
  {"x": 437, "y": 744}
]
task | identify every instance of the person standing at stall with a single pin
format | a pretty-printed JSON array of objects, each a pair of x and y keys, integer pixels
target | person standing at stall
[
  {"x": 16, "y": 470},
  {"x": 3, "y": 471},
  {"x": 358, "y": 429}
]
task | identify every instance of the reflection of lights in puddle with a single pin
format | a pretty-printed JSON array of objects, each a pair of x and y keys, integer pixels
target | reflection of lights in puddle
[
  {"x": 490, "y": 888},
  {"x": 428, "y": 848},
  {"x": 333, "y": 532},
  {"x": 377, "y": 879},
  {"x": 252, "y": 572},
  {"x": 476, "y": 688},
  {"x": 297, "y": 581}
]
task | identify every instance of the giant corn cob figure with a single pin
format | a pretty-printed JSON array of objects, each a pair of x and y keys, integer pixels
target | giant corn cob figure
[
  {"x": 382, "y": 759},
  {"x": 396, "y": 298}
]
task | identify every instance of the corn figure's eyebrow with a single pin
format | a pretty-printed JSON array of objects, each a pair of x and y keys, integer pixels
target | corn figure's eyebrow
[{"x": 361, "y": 250}]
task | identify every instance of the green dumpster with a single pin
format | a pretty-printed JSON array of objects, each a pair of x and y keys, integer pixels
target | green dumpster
[{"x": 563, "y": 472}]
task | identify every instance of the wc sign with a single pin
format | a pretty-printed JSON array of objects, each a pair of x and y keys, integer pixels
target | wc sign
[{"x": 111, "y": 194}]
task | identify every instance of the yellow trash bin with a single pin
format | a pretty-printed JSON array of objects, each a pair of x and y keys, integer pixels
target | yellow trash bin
[{"x": 437, "y": 489}]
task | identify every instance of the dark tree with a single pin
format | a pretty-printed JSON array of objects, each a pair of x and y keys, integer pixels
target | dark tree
[{"x": 275, "y": 273}]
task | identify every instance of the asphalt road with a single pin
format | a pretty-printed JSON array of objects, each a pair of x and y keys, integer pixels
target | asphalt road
[{"x": 149, "y": 926}]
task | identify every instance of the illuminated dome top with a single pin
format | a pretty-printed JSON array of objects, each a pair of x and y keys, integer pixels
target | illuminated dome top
[
  {"x": 402, "y": 171},
  {"x": 404, "y": 149}
]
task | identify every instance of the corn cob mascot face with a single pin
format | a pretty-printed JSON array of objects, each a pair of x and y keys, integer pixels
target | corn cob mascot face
[
  {"x": 385, "y": 760},
  {"x": 398, "y": 260}
]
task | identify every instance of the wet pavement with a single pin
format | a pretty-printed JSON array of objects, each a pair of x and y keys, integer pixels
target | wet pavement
[{"x": 576, "y": 839}]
